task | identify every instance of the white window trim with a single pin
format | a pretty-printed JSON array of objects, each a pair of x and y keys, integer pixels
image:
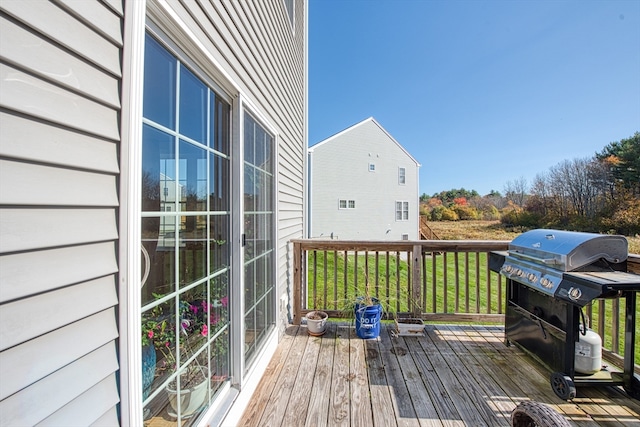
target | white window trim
[{"x": 130, "y": 225}]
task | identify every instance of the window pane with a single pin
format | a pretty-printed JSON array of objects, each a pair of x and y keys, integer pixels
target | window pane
[
  {"x": 219, "y": 139},
  {"x": 193, "y": 178},
  {"x": 249, "y": 140},
  {"x": 193, "y": 106},
  {"x": 343, "y": 204},
  {"x": 218, "y": 183},
  {"x": 249, "y": 188},
  {"x": 159, "y": 84},
  {"x": 158, "y": 170},
  {"x": 192, "y": 253},
  {"x": 219, "y": 243},
  {"x": 158, "y": 257},
  {"x": 352, "y": 204},
  {"x": 158, "y": 332}
]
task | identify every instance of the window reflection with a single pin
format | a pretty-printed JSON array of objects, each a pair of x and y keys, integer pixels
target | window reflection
[
  {"x": 185, "y": 241},
  {"x": 258, "y": 225}
]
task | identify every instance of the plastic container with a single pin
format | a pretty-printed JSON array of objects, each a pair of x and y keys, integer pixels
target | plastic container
[{"x": 368, "y": 320}]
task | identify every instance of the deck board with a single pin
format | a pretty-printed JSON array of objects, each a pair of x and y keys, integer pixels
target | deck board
[{"x": 454, "y": 375}]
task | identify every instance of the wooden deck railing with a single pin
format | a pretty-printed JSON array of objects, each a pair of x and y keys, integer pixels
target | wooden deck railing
[{"x": 437, "y": 280}]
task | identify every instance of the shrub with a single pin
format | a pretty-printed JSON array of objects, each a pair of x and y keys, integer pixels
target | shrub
[
  {"x": 465, "y": 212},
  {"x": 441, "y": 213}
]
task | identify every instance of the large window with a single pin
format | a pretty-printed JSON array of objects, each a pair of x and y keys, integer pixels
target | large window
[
  {"x": 185, "y": 240},
  {"x": 402, "y": 211},
  {"x": 259, "y": 292}
]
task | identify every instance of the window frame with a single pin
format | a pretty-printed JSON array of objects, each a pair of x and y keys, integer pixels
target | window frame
[
  {"x": 348, "y": 204},
  {"x": 402, "y": 175},
  {"x": 401, "y": 210}
]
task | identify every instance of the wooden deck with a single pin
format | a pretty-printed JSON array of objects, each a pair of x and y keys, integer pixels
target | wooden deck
[{"x": 455, "y": 375}]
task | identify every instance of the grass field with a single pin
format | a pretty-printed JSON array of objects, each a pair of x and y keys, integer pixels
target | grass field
[{"x": 493, "y": 230}]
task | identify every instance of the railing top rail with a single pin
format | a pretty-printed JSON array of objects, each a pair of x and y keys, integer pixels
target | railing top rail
[{"x": 404, "y": 245}]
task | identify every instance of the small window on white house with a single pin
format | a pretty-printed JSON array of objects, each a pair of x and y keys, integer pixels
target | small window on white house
[
  {"x": 401, "y": 176},
  {"x": 347, "y": 204},
  {"x": 402, "y": 211},
  {"x": 372, "y": 167}
]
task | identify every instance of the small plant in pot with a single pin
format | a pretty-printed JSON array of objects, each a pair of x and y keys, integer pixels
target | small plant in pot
[{"x": 317, "y": 323}]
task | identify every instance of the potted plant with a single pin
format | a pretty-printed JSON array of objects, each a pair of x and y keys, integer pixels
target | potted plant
[
  {"x": 368, "y": 314},
  {"x": 197, "y": 320},
  {"x": 316, "y": 323}
]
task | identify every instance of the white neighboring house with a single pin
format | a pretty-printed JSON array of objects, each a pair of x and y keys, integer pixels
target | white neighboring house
[
  {"x": 363, "y": 186},
  {"x": 152, "y": 175}
]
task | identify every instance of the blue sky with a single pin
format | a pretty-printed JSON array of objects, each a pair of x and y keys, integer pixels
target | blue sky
[{"x": 479, "y": 92}]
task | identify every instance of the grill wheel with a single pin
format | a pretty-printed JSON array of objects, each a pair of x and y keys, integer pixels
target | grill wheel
[
  {"x": 536, "y": 414},
  {"x": 563, "y": 386}
]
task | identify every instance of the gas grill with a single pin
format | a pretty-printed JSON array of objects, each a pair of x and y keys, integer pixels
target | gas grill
[{"x": 551, "y": 275}]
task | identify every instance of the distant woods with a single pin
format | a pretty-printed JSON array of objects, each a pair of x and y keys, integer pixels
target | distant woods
[{"x": 598, "y": 194}]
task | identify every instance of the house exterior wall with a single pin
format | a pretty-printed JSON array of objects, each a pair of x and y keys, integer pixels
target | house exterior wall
[
  {"x": 66, "y": 179},
  {"x": 339, "y": 170},
  {"x": 60, "y": 130}
]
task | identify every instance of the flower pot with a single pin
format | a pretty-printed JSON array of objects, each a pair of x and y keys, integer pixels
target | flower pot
[
  {"x": 317, "y": 323},
  {"x": 368, "y": 319},
  {"x": 191, "y": 399},
  {"x": 410, "y": 326}
]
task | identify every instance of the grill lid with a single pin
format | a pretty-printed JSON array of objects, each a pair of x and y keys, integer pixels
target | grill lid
[{"x": 567, "y": 250}]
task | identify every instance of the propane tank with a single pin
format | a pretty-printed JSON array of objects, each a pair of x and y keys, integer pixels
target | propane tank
[{"x": 588, "y": 351}]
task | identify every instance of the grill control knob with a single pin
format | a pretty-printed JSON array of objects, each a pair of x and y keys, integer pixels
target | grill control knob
[
  {"x": 532, "y": 278},
  {"x": 519, "y": 273},
  {"x": 546, "y": 283},
  {"x": 507, "y": 268}
]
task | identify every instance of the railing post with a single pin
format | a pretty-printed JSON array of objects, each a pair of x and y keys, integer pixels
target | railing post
[
  {"x": 416, "y": 280},
  {"x": 297, "y": 283}
]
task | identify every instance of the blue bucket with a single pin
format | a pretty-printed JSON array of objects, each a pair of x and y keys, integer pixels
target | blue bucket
[{"x": 368, "y": 320}]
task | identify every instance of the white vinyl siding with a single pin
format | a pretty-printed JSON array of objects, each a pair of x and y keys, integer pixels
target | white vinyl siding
[{"x": 59, "y": 135}]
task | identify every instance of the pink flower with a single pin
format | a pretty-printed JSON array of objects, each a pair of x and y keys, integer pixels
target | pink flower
[
  {"x": 150, "y": 334},
  {"x": 214, "y": 318},
  {"x": 194, "y": 309},
  {"x": 167, "y": 344},
  {"x": 204, "y": 330},
  {"x": 224, "y": 301}
]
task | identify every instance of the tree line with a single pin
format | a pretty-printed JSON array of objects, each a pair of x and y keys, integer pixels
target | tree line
[{"x": 599, "y": 194}]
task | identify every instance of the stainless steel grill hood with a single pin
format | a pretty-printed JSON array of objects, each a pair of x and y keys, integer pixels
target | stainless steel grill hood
[{"x": 567, "y": 250}]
